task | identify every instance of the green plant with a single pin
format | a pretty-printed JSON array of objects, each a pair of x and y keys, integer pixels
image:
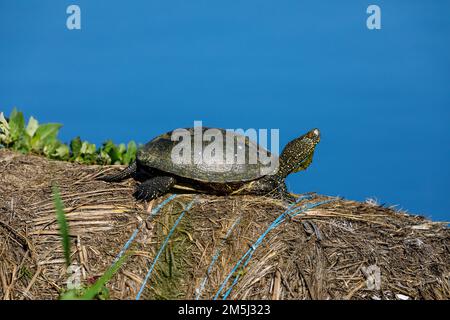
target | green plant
[
  {"x": 62, "y": 223},
  {"x": 43, "y": 139},
  {"x": 97, "y": 290}
]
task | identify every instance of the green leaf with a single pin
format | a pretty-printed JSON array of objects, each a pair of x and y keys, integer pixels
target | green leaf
[
  {"x": 48, "y": 131},
  {"x": 88, "y": 153},
  {"x": 104, "y": 157},
  {"x": 62, "y": 222},
  {"x": 62, "y": 152},
  {"x": 45, "y": 134},
  {"x": 16, "y": 125},
  {"x": 122, "y": 148},
  {"x": 70, "y": 295},
  {"x": 49, "y": 148},
  {"x": 103, "y": 294},
  {"x": 32, "y": 127},
  {"x": 43, "y": 139},
  {"x": 108, "y": 146},
  {"x": 130, "y": 155},
  {"x": 118, "y": 152},
  {"x": 87, "y": 148},
  {"x": 98, "y": 286},
  {"x": 25, "y": 144},
  {"x": 91, "y": 149},
  {"x": 75, "y": 147},
  {"x": 84, "y": 147},
  {"x": 98, "y": 289}
]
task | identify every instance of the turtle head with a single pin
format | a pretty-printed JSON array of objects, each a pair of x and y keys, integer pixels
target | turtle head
[{"x": 298, "y": 154}]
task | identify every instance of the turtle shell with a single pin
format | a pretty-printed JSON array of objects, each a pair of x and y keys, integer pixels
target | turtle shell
[{"x": 194, "y": 153}]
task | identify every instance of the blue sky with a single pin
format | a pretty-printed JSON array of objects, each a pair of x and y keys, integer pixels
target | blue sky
[{"x": 139, "y": 68}]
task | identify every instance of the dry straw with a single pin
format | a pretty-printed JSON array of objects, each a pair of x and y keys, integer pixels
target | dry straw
[{"x": 338, "y": 250}]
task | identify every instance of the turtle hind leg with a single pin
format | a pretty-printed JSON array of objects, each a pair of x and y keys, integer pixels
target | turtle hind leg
[
  {"x": 154, "y": 187},
  {"x": 126, "y": 173}
]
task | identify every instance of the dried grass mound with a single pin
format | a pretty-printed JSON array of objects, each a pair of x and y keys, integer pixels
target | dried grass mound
[{"x": 237, "y": 247}]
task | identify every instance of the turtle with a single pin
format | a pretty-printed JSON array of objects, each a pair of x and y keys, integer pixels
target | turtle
[{"x": 159, "y": 172}]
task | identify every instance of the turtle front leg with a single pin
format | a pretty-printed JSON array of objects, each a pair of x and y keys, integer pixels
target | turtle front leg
[{"x": 154, "y": 187}]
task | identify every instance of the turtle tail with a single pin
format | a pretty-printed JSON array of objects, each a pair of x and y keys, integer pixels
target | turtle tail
[{"x": 126, "y": 173}]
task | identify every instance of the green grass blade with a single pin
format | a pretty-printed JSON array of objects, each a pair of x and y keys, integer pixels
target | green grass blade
[
  {"x": 92, "y": 292},
  {"x": 62, "y": 222}
]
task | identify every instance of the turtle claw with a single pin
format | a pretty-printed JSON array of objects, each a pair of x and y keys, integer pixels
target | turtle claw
[
  {"x": 153, "y": 188},
  {"x": 137, "y": 194},
  {"x": 141, "y": 193}
]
